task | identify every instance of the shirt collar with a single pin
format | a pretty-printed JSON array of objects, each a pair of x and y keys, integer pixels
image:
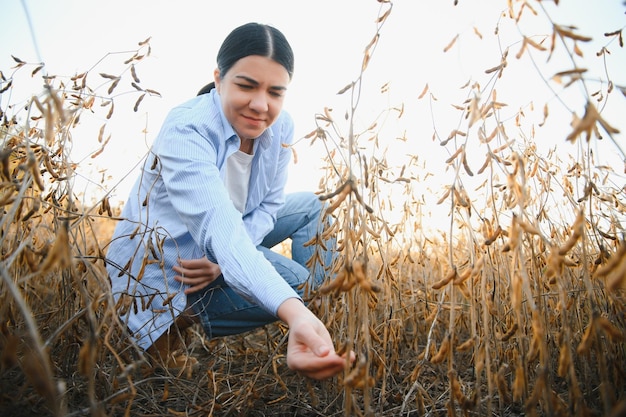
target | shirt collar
[{"x": 229, "y": 132}]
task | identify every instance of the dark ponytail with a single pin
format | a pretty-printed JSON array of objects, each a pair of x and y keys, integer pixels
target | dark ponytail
[
  {"x": 253, "y": 39},
  {"x": 210, "y": 86}
]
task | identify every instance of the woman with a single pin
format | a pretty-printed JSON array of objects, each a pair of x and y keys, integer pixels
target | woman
[{"x": 208, "y": 205}]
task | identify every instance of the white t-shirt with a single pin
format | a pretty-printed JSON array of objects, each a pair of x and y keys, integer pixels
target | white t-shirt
[{"x": 237, "y": 178}]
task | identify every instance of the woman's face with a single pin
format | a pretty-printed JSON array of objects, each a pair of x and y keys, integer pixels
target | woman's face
[{"x": 252, "y": 93}]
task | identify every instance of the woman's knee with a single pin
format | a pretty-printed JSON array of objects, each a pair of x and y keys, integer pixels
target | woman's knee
[
  {"x": 292, "y": 272},
  {"x": 304, "y": 201},
  {"x": 314, "y": 206}
]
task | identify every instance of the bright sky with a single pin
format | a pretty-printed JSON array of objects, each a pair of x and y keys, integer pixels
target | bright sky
[{"x": 328, "y": 37}]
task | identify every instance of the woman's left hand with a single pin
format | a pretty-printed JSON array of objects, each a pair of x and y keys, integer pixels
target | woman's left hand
[{"x": 197, "y": 273}]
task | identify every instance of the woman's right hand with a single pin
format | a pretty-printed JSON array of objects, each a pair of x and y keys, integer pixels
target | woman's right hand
[
  {"x": 310, "y": 350},
  {"x": 197, "y": 273}
]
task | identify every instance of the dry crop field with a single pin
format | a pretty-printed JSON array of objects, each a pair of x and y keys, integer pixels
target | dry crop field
[{"x": 518, "y": 308}]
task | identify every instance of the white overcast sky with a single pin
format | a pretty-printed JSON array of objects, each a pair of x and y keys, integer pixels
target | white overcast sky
[{"x": 328, "y": 37}]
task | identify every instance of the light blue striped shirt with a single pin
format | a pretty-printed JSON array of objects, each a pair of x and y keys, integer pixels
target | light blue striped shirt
[{"x": 180, "y": 208}]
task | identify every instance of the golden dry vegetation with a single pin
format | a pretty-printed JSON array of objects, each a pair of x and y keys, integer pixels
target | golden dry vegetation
[{"x": 518, "y": 309}]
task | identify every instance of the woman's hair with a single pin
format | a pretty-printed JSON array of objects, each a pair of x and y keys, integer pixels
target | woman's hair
[{"x": 253, "y": 39}]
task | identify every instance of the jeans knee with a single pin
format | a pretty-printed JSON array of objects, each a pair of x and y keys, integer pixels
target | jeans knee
[{"x": 316, "y": 206}]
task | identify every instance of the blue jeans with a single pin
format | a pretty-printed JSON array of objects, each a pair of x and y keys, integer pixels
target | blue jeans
[{"x": 223, "y": 312}]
